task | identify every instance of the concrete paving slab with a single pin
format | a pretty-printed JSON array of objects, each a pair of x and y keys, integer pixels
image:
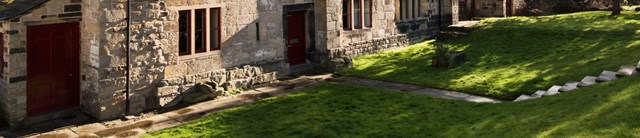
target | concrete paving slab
[
  {"x": 159, "y": 122},
  {"x": 569, "y": 86},
  {"x": 627, "y": 71},
  {"x": 88, "y": 129},
  {"x": 607, "y": 76},
  {"x": 538, "y": 94},
  {"x": 588, "y": 81},
  {"x": 523, "y": 98},
  {"x": 553, "y": 91},
  {"x": 133, "y": 133},
  {"x": 63, "y": 133},
  {"x": 51, "y": 125}
]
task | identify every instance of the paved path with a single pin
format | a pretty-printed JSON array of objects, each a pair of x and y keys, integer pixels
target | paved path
[
  {"x": 140, "y": 126},
  {"x": 418, "y": 90}
]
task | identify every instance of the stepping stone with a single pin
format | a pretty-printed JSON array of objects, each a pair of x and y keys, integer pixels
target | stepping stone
[
  {"x": 588, "y": 81},
  {"x": 538, "y": 94},
  {"x": 638, "y": 65},
  {"x": 570, "y": 86},
  {"x": 627, "y": 71},
  {"x": 553, "y": 91},
  {"x": 607, "y": 76},
  {"x": 523, "y": 98}
]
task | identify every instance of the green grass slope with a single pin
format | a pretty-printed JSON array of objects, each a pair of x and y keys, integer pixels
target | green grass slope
[
  {"x": 514, "y": 56},
  {"x": 340, "y": 110}
]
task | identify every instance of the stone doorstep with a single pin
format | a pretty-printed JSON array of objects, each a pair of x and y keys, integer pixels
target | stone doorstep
[
  {"x": 627, "y": 70},
  {"x": 588, "y": 81}
]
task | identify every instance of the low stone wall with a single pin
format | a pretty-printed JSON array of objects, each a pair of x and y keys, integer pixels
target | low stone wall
[
  {"x": 171, "y": 90},
  {"x": 339, "y": 58}
]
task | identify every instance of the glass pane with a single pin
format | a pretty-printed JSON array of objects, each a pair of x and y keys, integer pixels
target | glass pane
[
  {"x": 357, "y": 14},
  {"x": 200, "y": 22},
  {"x": 214, "y": 27},
  {"x": 346, "y": 14},
  {"x": 183, "y": 24},
  {"x": 367, "y": 13}
]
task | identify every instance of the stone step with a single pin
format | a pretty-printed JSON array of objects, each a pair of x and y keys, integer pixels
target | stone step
[
  {"x": 553, "y": 91},
  {"x": 588, "y": 81},
  {"x": 638, "y": 66},
  {"x": 570, "y": 86},
  {"x": 523, "y": 98},
  {"x": 627, "y": 70},
  {"x": 538, "y": 94},
  {"x": 607, "y": 76}
]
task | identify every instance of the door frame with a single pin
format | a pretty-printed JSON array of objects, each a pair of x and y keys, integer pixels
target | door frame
[
  {"x": 77, "y": 64},
  {"x": 310, "y": 29}
]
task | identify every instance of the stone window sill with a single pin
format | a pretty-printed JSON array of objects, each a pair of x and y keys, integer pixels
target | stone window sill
[{"x": 199, "y": 55}]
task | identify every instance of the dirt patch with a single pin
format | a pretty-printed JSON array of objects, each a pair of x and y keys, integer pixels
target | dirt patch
[
  {"x": 56, "y": 135},
  {"x": 127, "y": 134}
]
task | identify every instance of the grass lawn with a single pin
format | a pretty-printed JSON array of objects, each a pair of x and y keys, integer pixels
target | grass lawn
[
  {"x": 514, "y": 56},
  {"x": 341, "y": 110}
]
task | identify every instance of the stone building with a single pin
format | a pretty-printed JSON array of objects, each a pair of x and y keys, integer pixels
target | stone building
[
  {"x": 69, "y": 56},
  {"x": 470, "y": 9}
]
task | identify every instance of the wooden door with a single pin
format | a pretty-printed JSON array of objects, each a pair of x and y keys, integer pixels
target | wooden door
[
  {"x": 296, "y": 41},
  {"x": 53, "y": 80}
]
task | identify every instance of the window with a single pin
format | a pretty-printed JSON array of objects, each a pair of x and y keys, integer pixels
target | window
[
  {"x": 185, "y": 32},
  {"x": 346, "y": 14},
  {"x": 199, "y": 31},
  {"x": 367, "y": 13},
  {"x": 410, "y": 9},
  {"x": 215, "y": 29},
  {"x": 356, "y": 14},
  {"x": 1, "y": 53}
]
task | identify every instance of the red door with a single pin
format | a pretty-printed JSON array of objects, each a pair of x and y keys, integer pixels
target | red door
[
  {"x": 53, "y": 80},
  {"x": 296, "y": 42}
]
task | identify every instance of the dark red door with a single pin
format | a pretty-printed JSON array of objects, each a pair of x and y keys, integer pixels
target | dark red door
[
  {"x": 296, "y": 41},
  {"x": 53, "y": 81}
]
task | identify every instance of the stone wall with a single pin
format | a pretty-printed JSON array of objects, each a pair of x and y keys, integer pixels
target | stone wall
[
  {"x": 155, "y": 55},
  {"x": 490, "y": 8},
  {"x": 13, "y": 92},
  {"x": 337, "y": 46}
]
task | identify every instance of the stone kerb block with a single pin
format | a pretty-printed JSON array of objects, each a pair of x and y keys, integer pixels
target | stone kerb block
[
  {"x": 607, "y": 76},
  {"x": 523, "y": 98},
  {"x": 627, "y": 71},
  {"x": 553, "y": 91},
  {"x": 588, "y": 81}
]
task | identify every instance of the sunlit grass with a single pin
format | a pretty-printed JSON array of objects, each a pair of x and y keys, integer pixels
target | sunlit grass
[
  {"x": 519, "y": 55},
  {"x": 340, "y": 110}
]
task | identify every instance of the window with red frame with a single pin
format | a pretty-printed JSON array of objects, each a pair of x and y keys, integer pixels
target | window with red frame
[{"x": 199, "y": 31}]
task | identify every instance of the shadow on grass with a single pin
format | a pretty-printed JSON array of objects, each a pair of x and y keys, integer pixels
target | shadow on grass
[
  {"x": 514, "y": 56},
  {"x": 340, "y": 110}
]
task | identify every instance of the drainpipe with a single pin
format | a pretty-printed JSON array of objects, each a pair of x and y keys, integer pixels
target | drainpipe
[{"x": 128, "y": 70}]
